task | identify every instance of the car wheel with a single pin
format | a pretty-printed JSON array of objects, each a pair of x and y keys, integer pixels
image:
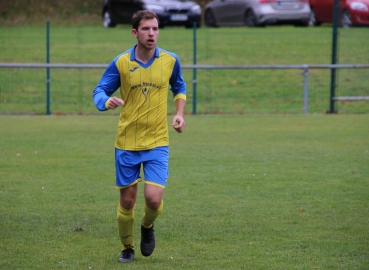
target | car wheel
[
  {"x": 312, "y": 19},
  {"x": 210, "y": 20},
  {"x": 250, "y": 19},
  {"x": 346, "y": 19},
  {"x": 107, "y": 21}
]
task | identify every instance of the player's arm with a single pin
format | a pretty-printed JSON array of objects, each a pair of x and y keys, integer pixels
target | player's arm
[
  {"x": 178, "y": 122},
  {"x": 108, "y": 84},
  {"x": 178, "y": 87}
]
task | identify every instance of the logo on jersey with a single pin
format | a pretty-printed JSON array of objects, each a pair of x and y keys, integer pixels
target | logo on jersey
[
  {"x": 145, "y": 92},
  {"x": 133, "y": 69}
]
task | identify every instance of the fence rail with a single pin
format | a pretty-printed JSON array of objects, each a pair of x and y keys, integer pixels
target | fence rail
[
  {"x": 304, "y": 67},
  {"x": 102, "y": 66}
]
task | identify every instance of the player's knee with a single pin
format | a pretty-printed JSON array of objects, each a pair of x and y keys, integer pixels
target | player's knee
[
  {"x": 127, "y": 203},
  {"x": 153, "y": 203}
]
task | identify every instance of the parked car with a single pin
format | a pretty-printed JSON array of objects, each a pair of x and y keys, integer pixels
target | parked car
[
  {"x": 256, "y": 12},
  {"x": 169, "y": 12},
  {"x": 351, "y": 12}
]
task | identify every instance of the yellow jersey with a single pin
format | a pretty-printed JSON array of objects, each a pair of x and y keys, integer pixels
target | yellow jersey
[{"x": 144, "y": 90}]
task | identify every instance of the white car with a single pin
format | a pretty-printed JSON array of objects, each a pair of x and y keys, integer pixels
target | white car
[{"x": 256, "y": 12}]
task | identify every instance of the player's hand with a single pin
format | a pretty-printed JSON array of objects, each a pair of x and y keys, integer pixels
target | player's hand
[
  {"x": 115, "y": 102},
  {"x": 178, "y": 123}
]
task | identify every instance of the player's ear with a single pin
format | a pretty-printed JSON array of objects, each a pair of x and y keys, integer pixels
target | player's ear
[{"x": 134, "y": 32}]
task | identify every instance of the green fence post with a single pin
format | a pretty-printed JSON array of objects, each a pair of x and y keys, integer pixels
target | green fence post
[
  {"x": 332, "y": 108},
  {"x": 48, "y": 69},
  {"x": 194, "y": 82}
]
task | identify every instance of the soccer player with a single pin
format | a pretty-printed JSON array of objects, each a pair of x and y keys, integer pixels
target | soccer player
[{"x": 144, "y": 74}]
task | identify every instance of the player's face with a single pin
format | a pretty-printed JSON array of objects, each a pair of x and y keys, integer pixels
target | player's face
[{"x": 147, "y": 34}]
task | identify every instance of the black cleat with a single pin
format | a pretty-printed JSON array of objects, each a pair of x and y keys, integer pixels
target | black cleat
[
  {"x": 147, "y": 240},
  {"x": 127, "y": 255}
]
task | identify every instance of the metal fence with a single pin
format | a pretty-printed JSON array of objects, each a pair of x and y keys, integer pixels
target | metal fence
[{"x": 272, "y": 70}]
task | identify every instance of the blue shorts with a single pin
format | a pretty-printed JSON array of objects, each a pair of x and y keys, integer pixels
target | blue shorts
[{"x": 154, "y": 163}]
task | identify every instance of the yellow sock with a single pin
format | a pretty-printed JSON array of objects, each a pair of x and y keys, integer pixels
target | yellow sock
[
  {"x": 151, "y": 215},
  {"x": 125, "y": 220}
]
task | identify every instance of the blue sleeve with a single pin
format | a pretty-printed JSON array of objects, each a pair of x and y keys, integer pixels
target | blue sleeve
[
  {"x": 177, "y": 83},
  {"x": 108, "y": 84}
]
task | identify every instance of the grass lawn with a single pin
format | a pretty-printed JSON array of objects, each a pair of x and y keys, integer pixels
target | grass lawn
[{"x": 259, "y": 192}]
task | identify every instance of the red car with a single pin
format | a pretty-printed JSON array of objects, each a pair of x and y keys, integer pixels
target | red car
[{"x": 351, "y": 12}]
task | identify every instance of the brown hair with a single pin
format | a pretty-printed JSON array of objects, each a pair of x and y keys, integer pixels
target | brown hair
[{"x": 142, "y": 15}]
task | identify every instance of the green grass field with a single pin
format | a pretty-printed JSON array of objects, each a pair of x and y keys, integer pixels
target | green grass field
[
  {"x": 259, "y": 192},
  {"x": 218, "y": 91}
]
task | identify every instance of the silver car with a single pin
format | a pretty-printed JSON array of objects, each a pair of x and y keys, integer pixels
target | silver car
[
  {"x": 256, "y": 12},
  {"x": 169, "y": 12}
]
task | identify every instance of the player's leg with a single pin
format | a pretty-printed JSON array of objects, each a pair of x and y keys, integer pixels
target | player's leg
[
  {"x": 156, "y": 174},
  {"x": 152, "y": 209},
  {"x": 127, "y": 177},
  {"x": 153, "y": 204},
  {"x": 125, "y": 215},
  {"x": 125, "y": 219}
]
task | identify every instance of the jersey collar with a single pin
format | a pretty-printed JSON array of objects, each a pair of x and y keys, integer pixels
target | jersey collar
[{"x": 133, "y": 57}]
